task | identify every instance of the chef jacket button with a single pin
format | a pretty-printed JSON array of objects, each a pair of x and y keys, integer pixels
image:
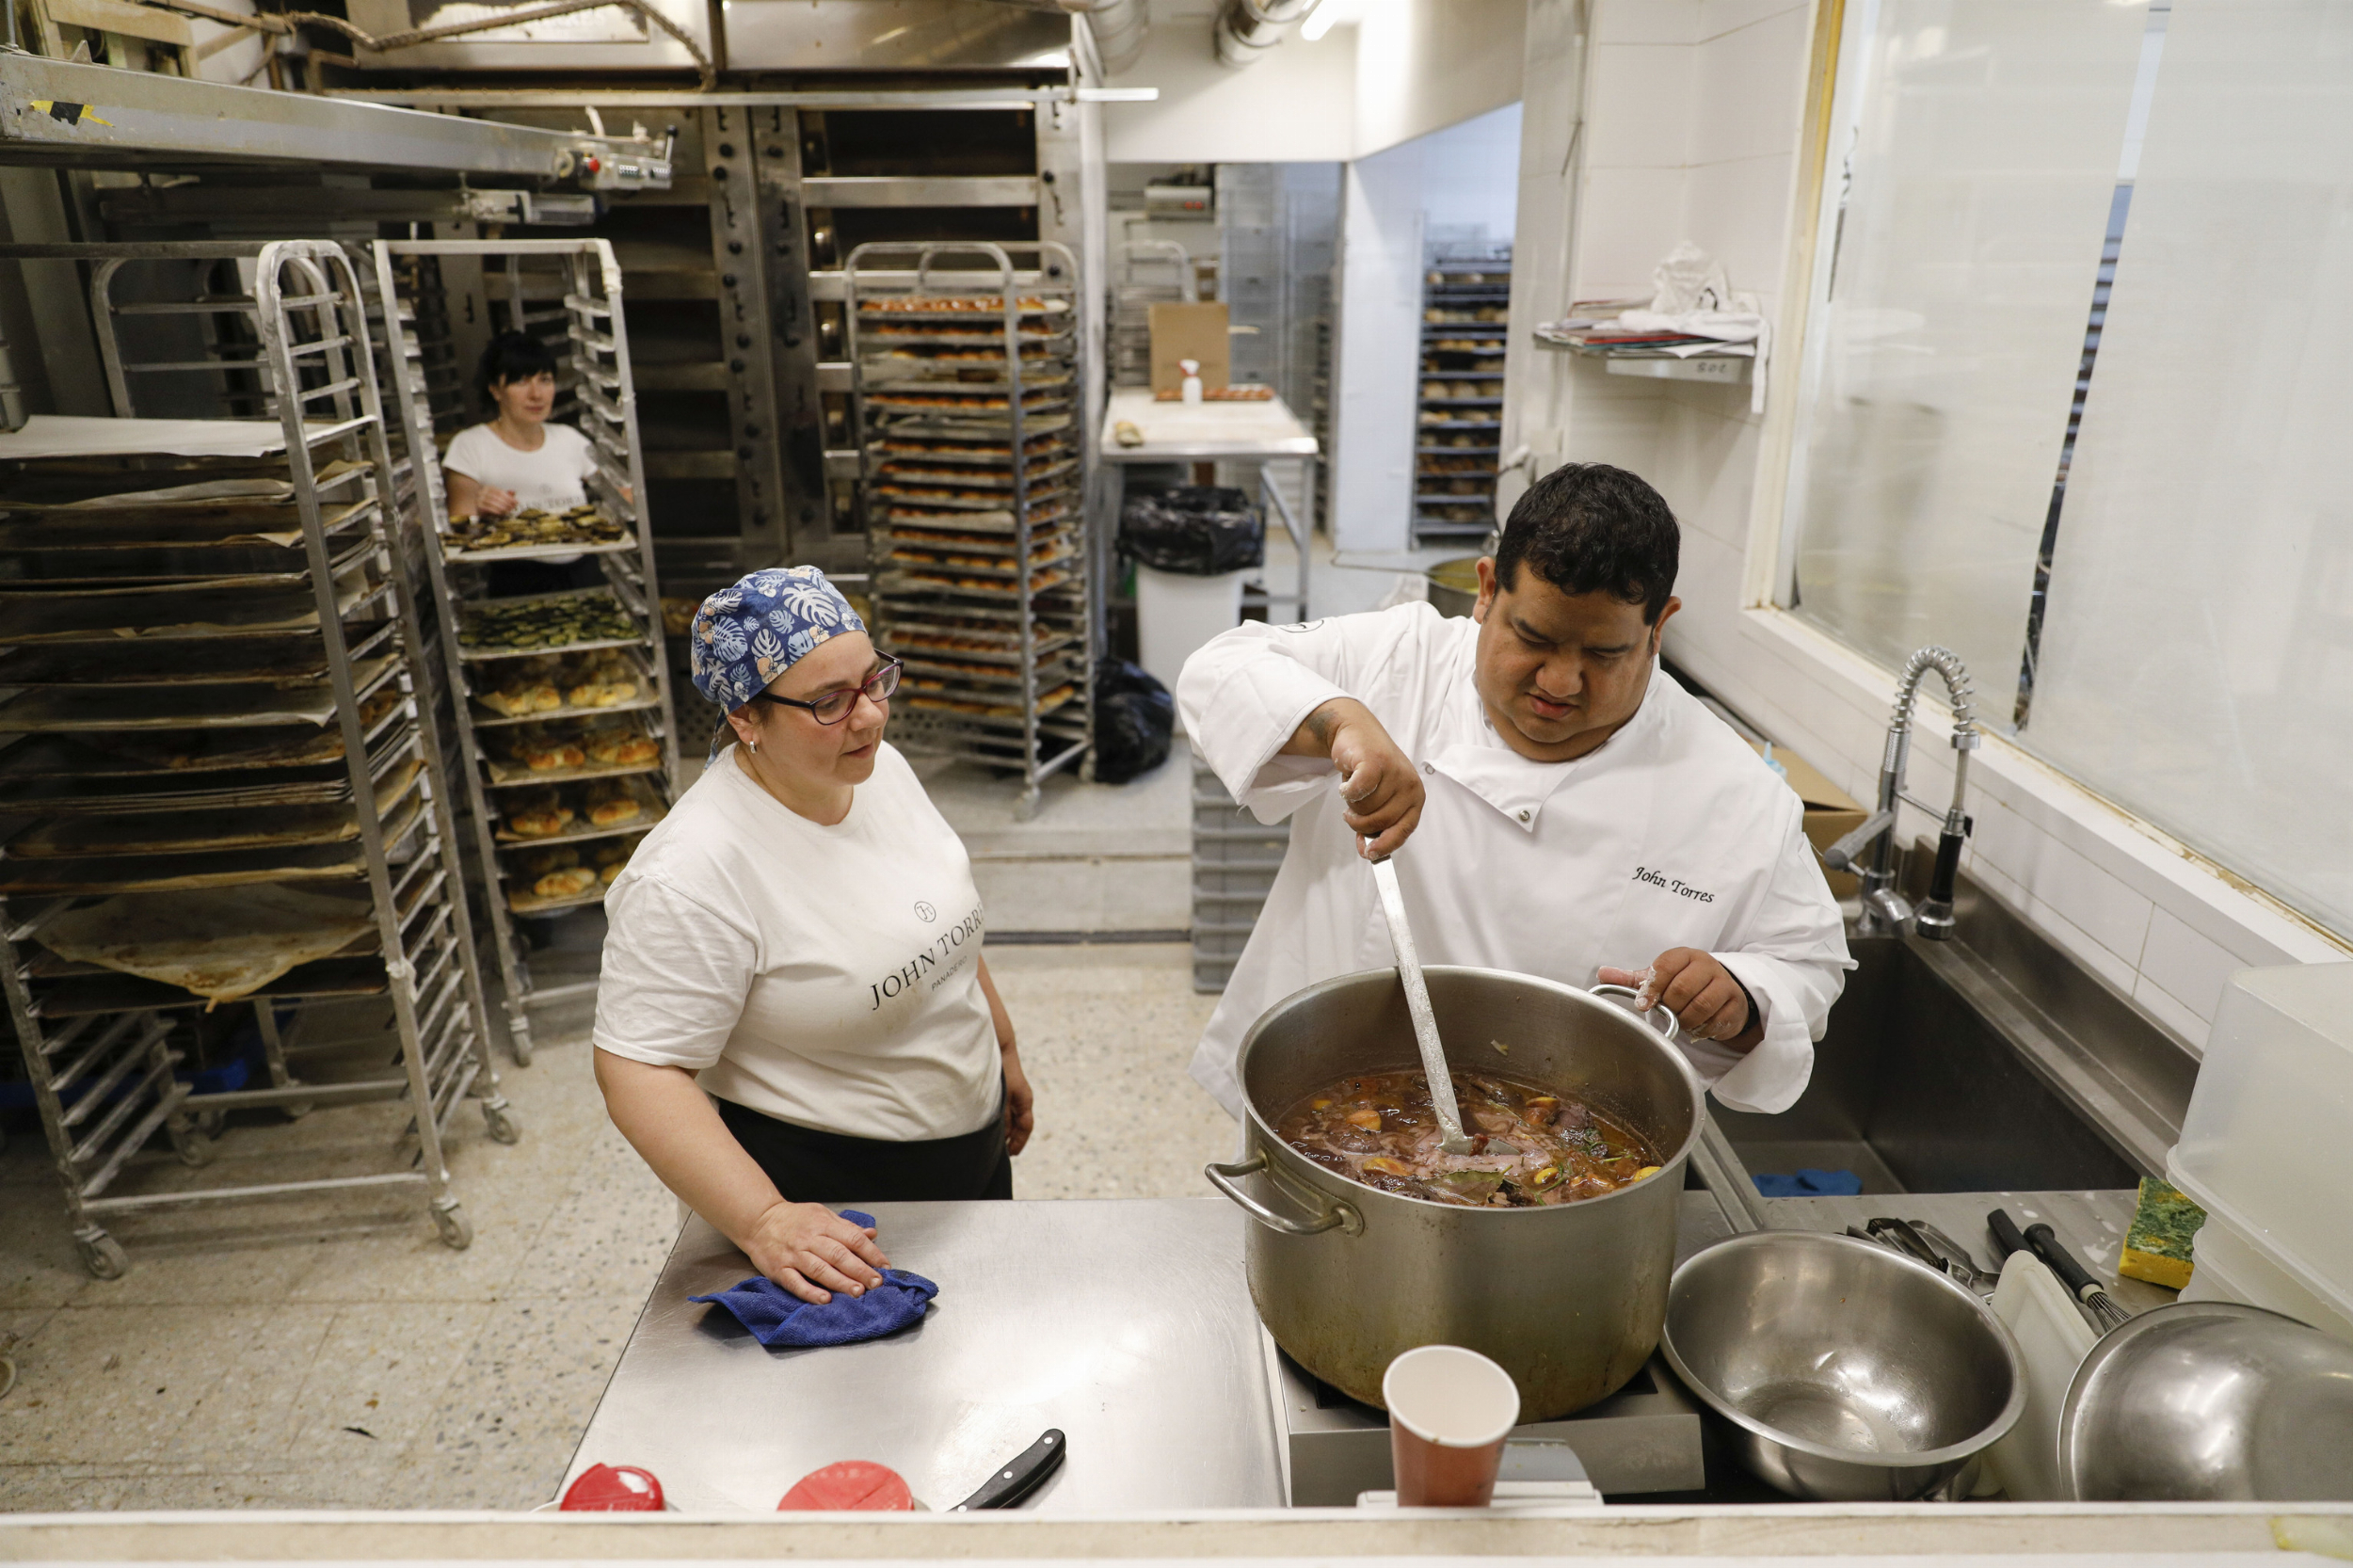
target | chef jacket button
[
  {"x": 1523, "y": 814},
  {"x": 1428, "y": 769}
]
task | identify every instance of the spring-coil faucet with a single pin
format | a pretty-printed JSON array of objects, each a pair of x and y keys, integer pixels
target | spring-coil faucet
[{"x": 1884, "y": 909}]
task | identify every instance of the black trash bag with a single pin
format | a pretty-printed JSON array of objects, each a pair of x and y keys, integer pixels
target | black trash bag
[
  {"x": 1200, "y": 530},
  {"x": 1135, "y": 717}
]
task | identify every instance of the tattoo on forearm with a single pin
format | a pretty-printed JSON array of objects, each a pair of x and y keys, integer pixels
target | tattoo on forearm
[{"x": 1322, "y": 722}]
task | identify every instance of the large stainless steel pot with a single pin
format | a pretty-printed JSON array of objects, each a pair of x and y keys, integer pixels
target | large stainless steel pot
[{"x": 1568, "y": 1298}]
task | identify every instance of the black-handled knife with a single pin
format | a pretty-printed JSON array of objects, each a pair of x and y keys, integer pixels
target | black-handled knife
[{"x": 1020, "y": 1476}]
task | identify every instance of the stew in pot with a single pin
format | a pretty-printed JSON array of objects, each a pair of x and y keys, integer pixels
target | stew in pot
[{"x": 1531, "y": 1146}]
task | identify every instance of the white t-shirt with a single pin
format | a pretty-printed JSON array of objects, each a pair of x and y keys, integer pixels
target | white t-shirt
[
  {"x": 825, "y": 976},
  {"x": 552, "y": 478}
]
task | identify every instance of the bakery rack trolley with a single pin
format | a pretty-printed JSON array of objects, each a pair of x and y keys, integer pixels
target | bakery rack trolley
[
  {"x": 222, "y": 697},
  {"x": 973, "y": 453},
  {"x": 1459, "y": 421},
  {"x": 518, "y": 826}
]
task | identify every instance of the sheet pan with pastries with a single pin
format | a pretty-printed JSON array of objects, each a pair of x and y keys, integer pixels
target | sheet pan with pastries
[
  {"x": 561, "y": 686},
  {"x": 594, "y": 810},
  {"x": 558, "y": 876},
  {"x": 549, "y": 753}
]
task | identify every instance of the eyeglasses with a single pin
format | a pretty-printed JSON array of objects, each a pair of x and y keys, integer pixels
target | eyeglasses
[{"x": 836, "y": 706}]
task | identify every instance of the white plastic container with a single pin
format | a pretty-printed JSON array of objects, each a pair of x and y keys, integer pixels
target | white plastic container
[
  {"x": 2054, "y": 1338},
  {"x": 1176, "y": 614},
  {"x": 2263, "y": 1147}
]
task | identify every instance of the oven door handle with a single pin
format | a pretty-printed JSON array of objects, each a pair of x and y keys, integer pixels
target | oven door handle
[{"x": 1331, "y": 1214}]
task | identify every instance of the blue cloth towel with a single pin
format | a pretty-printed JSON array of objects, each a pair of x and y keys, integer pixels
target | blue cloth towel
[
  {"x": 781, "y": 1320},
  {"x": 1810, "y": 1183}
]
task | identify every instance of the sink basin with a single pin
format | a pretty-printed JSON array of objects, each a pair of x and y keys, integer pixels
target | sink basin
[{"x": 1916, "y": 1090}]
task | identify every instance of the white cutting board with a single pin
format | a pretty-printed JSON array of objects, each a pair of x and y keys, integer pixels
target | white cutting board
[{"x": 2054, "y": 1338}]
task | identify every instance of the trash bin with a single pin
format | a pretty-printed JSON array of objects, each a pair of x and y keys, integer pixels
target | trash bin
[{"x": 1193, "y": 545}]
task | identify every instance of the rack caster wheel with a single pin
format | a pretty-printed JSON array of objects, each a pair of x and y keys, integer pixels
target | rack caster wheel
[
  {"x": 456, "y": 1230},
  {"x": 212, "y": 1123},
  {"x": 296, "y": 1111},
  {"x": 192, "y": 1147},
  {"x": 502, "y": 1122},
  {"x": 103, "y": 1256}
]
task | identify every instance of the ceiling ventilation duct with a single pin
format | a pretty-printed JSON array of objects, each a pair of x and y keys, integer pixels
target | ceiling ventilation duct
[
  {"x": 1246, "y": 29},
  {"x": 1118, "y": 26}
]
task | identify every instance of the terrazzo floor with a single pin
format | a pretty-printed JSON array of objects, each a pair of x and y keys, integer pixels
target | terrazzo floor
[{"x": 334, "y": 1354}]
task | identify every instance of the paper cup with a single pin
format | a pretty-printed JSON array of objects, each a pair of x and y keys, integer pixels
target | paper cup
[{"x": 1449, "y": 1411}]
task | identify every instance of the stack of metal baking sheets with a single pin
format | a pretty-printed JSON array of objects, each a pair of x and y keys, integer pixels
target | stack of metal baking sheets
[
  {"x": 568, "y": 746},
  {"x": 216, "y": 783},
  {"x": 965, "y": 385}
]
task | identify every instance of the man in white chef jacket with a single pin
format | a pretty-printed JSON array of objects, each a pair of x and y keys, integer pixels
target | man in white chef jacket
[{"x": 1557, "y": 806}]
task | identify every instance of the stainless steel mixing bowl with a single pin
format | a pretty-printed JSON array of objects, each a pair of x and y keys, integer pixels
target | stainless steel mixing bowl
[
  {"x": 2210, "y": 1401},
  {"x": 1848, "y": 1372}
]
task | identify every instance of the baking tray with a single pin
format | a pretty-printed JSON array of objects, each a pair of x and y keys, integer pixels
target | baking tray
[
  {"x": 902, "y": 579},
  {"x": 504, "y": 774},
  {"x": 958, "y": 307},
  {"x": 476, "y": 654},
  {"x": 190, "y": 526},
  {"x": 530, "y": 904},
  {"x": 239, "y": 662},
  {"x": 58, "y": 709},
  {"x": 652, "y": 809},
  {"x": 182, "y": 832},
  {"x": 105, "y": 991},
  {"x": 101, "y": 485},
  {"x": 989, "y": 448},
  {"x": 132, "y": 873},
  {"x": 128, "y": 571},
  {"x": 206, "y": 612},
  {"x": 1048, "y": 701},
  {"x": 976, "y": 427},
  {"x": 948, "y": 472},
  {"x": 488, "y": 717}
]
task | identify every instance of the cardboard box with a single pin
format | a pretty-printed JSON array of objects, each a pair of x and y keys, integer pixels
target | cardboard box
[
  {"x": 1190, "y": 332},
  {"x": 1830, "y": 813}
]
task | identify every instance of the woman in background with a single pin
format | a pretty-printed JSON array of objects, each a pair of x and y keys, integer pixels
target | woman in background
[{"x": 517, "y": 459}]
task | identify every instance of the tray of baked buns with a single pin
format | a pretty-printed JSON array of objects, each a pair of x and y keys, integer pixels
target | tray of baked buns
[
  {"x": 570, "y": 749},
  {"x": 551, "y": 877},
  {"x": 598, "y": 808},
  {"x": 576, "y": 685}
]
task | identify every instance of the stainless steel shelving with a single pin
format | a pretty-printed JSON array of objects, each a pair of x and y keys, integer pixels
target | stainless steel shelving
[
  {"x": 572, "y": 287},
  {"x": 974, "y": 439},
  {"x": 284, "y": 657},
  {"x": 1459, "y": 420}
]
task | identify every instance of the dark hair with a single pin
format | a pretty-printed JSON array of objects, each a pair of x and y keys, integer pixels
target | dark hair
[
  {"x": 511, "y": 357},
  {"x": 1591, "y": 528}
]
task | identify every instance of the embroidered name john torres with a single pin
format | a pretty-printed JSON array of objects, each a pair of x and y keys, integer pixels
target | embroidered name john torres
[
  {"x": 934, "y": 957},
  {"x": 1680, "y": 888}
]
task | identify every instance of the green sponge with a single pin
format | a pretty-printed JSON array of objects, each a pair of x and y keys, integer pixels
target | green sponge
[{"x": 2159, "y": 1246}]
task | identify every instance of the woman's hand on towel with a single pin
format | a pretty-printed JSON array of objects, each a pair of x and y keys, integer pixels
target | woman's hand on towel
[{"x": 813, "y": 1251}]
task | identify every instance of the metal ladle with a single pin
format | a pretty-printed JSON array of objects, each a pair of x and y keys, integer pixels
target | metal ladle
[{"x": 1453, "y": 1139}]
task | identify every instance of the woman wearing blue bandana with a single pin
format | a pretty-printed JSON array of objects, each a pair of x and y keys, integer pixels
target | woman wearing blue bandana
[{"x": 793, "y": 1010}]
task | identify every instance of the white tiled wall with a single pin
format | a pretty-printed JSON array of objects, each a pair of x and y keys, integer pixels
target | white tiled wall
[{"x": 1693, "y": 111}]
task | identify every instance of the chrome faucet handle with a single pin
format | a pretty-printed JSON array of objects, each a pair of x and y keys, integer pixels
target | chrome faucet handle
[{"x": 1887, "y": 907}]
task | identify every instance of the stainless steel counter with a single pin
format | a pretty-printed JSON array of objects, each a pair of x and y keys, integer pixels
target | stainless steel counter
[{"x": 1126, "y": 1324}]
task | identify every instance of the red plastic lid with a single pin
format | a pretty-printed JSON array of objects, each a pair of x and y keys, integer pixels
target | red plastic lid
[
  {"x": 853, "y": 1483},
  {"x": 605, "y": 1489}
]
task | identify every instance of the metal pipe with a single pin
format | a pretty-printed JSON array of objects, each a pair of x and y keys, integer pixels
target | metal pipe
[{"x": 1246, "y": 29}]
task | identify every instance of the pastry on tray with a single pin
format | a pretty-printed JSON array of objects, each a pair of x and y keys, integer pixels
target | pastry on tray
[
  {"x": 570, "y": 883},
  {"x": 541, "y": 815},
  {"x": 611, "y": 807},
  {"x": 540, "y": 862}
]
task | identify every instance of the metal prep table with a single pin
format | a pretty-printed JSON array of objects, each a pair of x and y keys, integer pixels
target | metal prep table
[{"x": 1125, "y": 1323}]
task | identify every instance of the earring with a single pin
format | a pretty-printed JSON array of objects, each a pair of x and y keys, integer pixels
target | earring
[{"x": 753, "y": 744}]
